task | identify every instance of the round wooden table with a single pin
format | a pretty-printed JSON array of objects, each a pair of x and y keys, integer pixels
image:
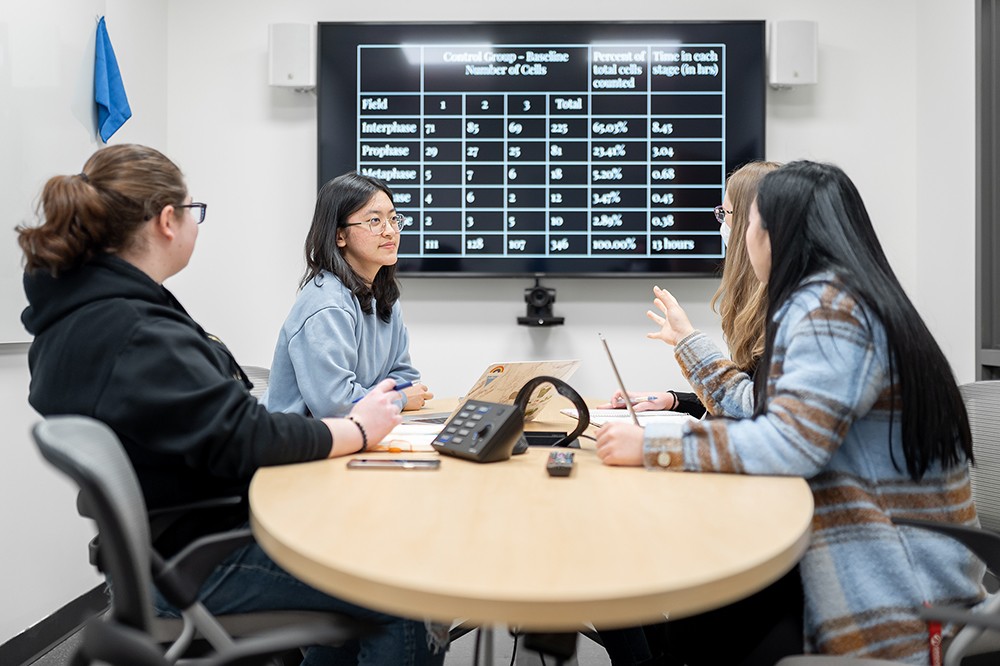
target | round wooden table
[{"x": 504, "y": 543}]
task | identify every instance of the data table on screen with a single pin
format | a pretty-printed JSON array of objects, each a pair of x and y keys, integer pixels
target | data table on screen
[
  {"x": 610, "y": 150},
  {"x": 560, "y": 148}
]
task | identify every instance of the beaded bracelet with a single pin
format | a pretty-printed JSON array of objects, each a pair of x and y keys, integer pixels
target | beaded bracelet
[{"x": 364, "y": 435}]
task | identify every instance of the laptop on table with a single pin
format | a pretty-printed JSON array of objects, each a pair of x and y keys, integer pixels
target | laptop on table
[{"x": 500, "y": 382}]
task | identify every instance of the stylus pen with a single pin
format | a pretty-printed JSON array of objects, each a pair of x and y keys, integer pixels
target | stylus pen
[
  {"x": 398, "y": 387},
  {"x": 648, "y": 398}
]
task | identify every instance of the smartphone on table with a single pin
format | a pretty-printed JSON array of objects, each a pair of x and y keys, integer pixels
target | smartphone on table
[{"x": 393, "y": 463}]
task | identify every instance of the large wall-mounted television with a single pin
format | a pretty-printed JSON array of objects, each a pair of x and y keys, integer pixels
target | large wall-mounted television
[{"x": 564, "y": 149}]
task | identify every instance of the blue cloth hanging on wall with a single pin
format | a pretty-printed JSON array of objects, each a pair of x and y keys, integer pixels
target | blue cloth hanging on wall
[{"x": 109, "y": 91}]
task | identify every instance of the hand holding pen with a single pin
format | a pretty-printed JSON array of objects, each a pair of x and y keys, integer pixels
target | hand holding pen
[
  {"x": 641, "y": 402},
  {"x": 416, "y": 394},
  {"x": 398, "y": 387}
]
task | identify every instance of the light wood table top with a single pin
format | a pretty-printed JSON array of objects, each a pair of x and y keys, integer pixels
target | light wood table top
[{"x": 503, "y": 543}]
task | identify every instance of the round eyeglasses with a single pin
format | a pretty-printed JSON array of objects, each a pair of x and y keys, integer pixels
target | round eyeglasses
[
  {"x": 199, "y": 210},
  {"x": 377, "y": 225},
  {"x": 720, "y": 214}
]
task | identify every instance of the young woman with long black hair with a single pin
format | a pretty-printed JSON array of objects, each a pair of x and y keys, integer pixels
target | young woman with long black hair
[{"x": 853, "y": 394}]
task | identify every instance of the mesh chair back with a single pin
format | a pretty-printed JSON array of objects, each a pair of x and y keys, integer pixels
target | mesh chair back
[
  {"x": 258, "y": 377},
  {"x": 982, "y": 401},
  {"x": 90, "y": 454}
]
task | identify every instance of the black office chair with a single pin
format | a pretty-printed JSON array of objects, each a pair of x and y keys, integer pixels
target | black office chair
[{"x": 89, "y": 453}]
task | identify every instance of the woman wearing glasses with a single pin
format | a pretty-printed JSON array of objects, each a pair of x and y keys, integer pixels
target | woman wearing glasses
[
  {"x": 724, "y": 387},
  {"x": 111, "y": 342},
  {"x": 853, "y": 394},
  {"x": 345, "y": 333},
  {"x": 740, "y": 299}
]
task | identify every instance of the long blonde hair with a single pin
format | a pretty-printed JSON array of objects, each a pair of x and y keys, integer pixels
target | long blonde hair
[{"x": 741, "y": 298}]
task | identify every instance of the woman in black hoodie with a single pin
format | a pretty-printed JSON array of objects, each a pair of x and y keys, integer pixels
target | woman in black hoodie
[{"x": 112, "y": 343}]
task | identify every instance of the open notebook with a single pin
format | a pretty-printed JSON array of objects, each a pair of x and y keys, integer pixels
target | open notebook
[
  {"x": 409, "y": 437},
  {"x": 601, "y": 416},
  {"x": 500, "y": 382}
]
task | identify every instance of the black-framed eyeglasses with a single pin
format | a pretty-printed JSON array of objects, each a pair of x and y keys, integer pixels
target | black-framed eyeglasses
[
  {"x": 377, "y": 224},
  {"x": 720, "y": 214},
  {"x": 200, "y": 209}
]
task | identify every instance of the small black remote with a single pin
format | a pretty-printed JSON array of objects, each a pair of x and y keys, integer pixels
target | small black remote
[{"x": 560, "y": 463}]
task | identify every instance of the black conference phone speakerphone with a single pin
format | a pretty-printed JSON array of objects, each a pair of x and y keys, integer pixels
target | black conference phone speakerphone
[
  {"x": 491, "y": 431},
  {"x": 481, "y": 431}
]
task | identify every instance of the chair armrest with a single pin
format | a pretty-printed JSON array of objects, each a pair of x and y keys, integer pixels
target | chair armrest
[
  {"x": 984, "y": 543},
  {"x": 961, "y": 616},
  {"x": 327, "y": 631},
  {"x": 160, "y": 520},
  {"x": 168, "y": 511},
  {"x": 180, "y": 577},
  {"x": 114, "y": 643},
  {"x": 108, "y": 641},
  {"x": 215, "y": 502}
]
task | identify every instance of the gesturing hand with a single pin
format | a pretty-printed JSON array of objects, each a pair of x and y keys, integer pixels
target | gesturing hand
[
  {"x": 641, "y": 402},
  {"x": 674, "y": 324}
]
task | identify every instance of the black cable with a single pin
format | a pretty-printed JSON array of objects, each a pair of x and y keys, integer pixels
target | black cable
[
  {"x": 542, "y": 657},
  {"x": 475, "y": 653},
  {"x": 513, "y": 653}
]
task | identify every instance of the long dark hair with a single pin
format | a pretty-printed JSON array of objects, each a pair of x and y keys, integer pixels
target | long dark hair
[
  {"x": 337, "y": 200},
  {"x": 816, "y": 222},
  {"x": 100, "y": 209}
]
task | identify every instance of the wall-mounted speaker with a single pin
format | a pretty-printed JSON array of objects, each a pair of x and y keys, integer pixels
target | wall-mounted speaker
[
  {"x": 291, "y": 54},
  {"x": 793, "y": 53}
]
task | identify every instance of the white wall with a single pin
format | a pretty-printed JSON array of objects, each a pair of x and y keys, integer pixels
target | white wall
[
  {"x": 894, "y": 107},
  {"x": 258, "y": 172},
  {"x": 44, "y": 561},
  {"x": 943, "y": 286}
]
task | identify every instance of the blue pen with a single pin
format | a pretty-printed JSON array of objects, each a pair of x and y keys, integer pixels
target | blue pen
[
  {"x": 648, "y": 398},
  {"x": 398, "y": 387}
]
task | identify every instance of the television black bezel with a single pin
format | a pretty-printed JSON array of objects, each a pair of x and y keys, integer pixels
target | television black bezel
[{"x": 343, "y": 53}]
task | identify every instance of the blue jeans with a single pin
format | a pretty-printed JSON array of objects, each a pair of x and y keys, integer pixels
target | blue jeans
[{"x": 248, "y": 580}]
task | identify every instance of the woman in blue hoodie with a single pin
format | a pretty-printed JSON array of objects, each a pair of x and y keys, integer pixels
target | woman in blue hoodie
[{"x": 345, "y": 332}]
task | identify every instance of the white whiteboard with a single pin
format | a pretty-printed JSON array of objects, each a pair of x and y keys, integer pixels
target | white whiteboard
[{"x": 47, "y": 121}]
